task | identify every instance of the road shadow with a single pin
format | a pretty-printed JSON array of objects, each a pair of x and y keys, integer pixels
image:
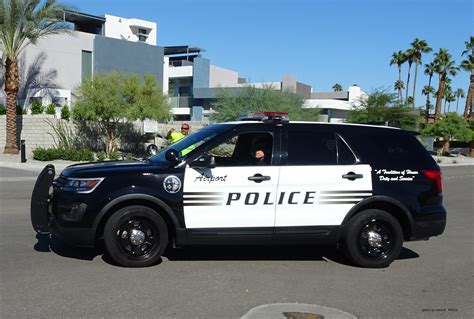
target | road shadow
[
  {"x": 246, "y": 253},
  {"x": 407, "y": 254},
  {"x": 48, "y": 243},
  {"x": 268, "y": 253}
]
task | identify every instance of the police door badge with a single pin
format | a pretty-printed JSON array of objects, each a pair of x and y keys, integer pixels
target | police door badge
[{"x": 172, "y": 184}]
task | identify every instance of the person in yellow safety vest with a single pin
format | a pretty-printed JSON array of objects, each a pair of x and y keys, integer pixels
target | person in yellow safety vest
[{"x": 174, "y": 137}]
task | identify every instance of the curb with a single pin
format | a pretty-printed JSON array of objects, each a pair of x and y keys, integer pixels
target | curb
[{"x": 36, "y": 167}]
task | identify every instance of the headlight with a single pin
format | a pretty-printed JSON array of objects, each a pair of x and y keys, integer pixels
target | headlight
[{"x": 83, "y": 185}]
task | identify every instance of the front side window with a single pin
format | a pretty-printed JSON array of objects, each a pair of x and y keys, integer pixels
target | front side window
[
  {"x": 191, "y": 142},
  {"x": 247, "y": 149}
]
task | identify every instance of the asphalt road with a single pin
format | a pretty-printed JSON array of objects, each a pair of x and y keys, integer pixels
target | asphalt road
[{"x": 43, "y": 278}]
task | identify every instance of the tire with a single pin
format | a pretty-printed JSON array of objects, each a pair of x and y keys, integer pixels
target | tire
[
  {"x": 135, "y": 236},
  {"x": 372, "y": 239}
]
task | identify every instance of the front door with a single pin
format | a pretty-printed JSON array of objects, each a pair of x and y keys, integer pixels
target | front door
[{"x": 240, "y": 192}]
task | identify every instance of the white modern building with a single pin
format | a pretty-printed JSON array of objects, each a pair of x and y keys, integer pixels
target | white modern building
[{"x": 335, "y": 106}]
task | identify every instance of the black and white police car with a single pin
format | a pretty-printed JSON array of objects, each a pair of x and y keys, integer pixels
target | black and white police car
[{"x": 366, "y": 188}]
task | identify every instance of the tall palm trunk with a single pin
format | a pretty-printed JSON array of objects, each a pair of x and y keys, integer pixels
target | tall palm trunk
[
  {"x": 428, "y": 100},
  {"x": 457, "y": 104},
  {"x": 400, "y": 96},
  {"x": 414, "y": 82},
  {"x": 469, "y": 97},
  {"x": 408, "y": 83},
  {"x": 11, "y": 90},
  {"x": 439, "y": 96}
]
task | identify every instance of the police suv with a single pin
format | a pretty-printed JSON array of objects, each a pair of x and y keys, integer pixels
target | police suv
[{"x": 365, "y": 188}]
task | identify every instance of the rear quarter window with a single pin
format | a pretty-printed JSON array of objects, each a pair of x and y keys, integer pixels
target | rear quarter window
[{"x": 387, "y": 148}]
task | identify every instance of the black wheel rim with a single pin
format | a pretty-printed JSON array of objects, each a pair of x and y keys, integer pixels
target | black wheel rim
[
  {"x": 376, "y": 239},
  {"x": 137, "y": 238}
]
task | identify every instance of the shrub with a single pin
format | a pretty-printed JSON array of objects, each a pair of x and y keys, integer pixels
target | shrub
[
  {"x": 53, "y": 153},
  {"x": 37, "y": 107},
  {"x": 3, "y": 110},
  {"x": 113, "y": 156},
  {"x": 129, "y": 157},
  {"x": 65, "y": 114},
  {"x": 51, "y": 109},
  {"x": 101, "y": 156},
  {"x": 65, "y": 136}
]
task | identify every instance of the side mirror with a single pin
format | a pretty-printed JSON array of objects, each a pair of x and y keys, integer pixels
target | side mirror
[
  {"x": 152, "y": 149},
  {"x": 172, "y": 156},
  {"x": 204, "y": 161}
]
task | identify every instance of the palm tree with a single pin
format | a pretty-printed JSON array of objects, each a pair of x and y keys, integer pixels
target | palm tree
[
  {"x": 399, "y": 86},
  {"x": 447, "y": 96},
  {"x": 410, "y": 58},
  {"x": 399, "y": 58},
  {"x": 468, "y": 65},
  {"x": 428, "y": 90},
  {"x": 419, "y": 47},
  {"x": 459, "y": 93},
  {"x": 430, "y": 69},
  {"x": 444, "y": 66},
  {"x": 337, "y": 87},
  {"x": 23, "y": 22}
]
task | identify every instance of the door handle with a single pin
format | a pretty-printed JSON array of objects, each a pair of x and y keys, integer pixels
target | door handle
[
  {"x": 258, "y": 178},
  {"x": 352, "y": 176}
]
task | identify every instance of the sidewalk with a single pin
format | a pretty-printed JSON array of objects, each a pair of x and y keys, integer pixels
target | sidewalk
[{"x": 14, "y": 161}]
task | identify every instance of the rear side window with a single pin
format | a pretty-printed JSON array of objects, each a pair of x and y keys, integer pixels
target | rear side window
[
  {"x": 384, "y": 148},
  {"x": 397, "y": 147},
  {"x": 311, "y": 147}
]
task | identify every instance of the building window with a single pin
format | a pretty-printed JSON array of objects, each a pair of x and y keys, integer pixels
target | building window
[
  {"x": 142, "y": 35},
  {"x": 86, "y": 65}
]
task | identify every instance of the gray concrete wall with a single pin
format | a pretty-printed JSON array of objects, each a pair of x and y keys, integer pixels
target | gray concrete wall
[
  {"x": 34, "y": 129},
  {"x": 201, "y": 72},
  {"x": 303, "y": 89},
  {"x": 125, "y": 56},
  {"x": 220, "y": 77},
  {"x": 341, "y": 95},
  {"x": 54, "y": 62},
  {"x": 36, "y": 132}
]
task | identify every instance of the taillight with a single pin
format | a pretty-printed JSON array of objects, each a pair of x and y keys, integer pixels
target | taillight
[{"x": 434, "y": 175}]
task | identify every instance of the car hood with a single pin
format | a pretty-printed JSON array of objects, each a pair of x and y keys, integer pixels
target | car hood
[{"x": 102, "y": 169}]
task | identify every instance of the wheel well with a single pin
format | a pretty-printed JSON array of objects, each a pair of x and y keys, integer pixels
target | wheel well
[
  {"x": 169, "y": 223},
  {"x": 392, "y": 209}
]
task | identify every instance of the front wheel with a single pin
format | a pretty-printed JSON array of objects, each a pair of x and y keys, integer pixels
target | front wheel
[
  {"x": 373, "y": 239},
  {"x": 135, "y": 236}
]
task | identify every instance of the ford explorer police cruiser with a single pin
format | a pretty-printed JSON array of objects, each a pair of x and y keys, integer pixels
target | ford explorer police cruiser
[{"x": 365, "y": 188}]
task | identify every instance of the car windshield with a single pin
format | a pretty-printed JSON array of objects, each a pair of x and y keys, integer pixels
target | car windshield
[{"x": 191, "y": 142}]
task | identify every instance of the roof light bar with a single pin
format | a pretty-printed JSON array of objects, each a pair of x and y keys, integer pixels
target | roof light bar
[{"x": 265, "y": 117}]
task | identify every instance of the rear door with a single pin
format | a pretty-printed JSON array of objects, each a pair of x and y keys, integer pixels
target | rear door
[{"x": 320, "y": 179}]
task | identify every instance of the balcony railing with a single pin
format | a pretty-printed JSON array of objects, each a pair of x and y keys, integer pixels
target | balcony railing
[{"x": 181, "y": 101}]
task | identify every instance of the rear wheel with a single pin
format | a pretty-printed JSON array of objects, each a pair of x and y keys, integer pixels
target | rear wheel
[
  {"x": 135, "y": 236},
  {"x": 373, "y": 239}
]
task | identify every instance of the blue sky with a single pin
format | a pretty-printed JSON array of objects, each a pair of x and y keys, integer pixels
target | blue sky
[{"x": 319, "y": 42}]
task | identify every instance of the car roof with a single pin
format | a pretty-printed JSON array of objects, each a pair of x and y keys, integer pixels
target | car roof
[{"x": 315, "y": 123}]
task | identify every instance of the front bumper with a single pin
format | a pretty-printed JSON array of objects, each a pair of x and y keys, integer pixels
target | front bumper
[{"x": 74, "y": 236}]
